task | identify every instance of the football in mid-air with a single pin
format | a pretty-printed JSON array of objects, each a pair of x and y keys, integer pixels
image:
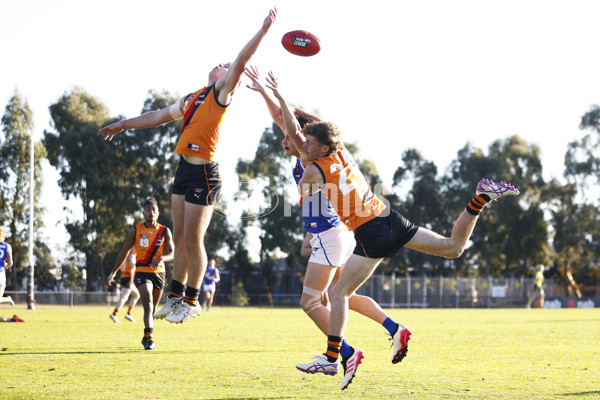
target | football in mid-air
[{"x": 301, "y": 43}]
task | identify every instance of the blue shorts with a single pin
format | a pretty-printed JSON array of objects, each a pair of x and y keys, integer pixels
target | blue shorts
[{"x": 383, "y": 236}]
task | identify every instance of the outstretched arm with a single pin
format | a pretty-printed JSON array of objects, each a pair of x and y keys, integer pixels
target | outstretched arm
[
  {"x": 291, "y": 126},
  {"x": 275, "y": 111},
  {"x": 146, "y": 120},
  {"x": 129, "y": 242},
  {"x": 230, "y": 81}
]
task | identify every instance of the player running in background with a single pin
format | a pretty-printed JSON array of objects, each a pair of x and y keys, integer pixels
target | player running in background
[
  {"x": 6, "y": 262},
  {"x": 329, "y": 244},
  {"x": 197, "y": 179},
  {"x": 154, "y": 246},
  {"x": 538, "y": 287},
  {"x": 209, "y": 284},
  {"x": 378, "y": 230},
  {"x": 128, "y": 289}
]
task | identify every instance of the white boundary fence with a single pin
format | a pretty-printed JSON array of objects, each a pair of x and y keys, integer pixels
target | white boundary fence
[{"x": 391, "y": 291}]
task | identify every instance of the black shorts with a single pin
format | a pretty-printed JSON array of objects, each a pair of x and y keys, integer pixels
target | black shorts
[
  {"x": 383, "y": 236},
  {"x": 126, "y": 282},
  {"x": 200, "y": 184},
  {"x": 157, "y": 280}
]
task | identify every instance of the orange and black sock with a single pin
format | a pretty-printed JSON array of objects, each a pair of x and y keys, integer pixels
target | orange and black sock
[
  {"x": 177, "y": 289},
  {"x": 191, "y": 296},
  {"x": 148, "y": 333},
  {"x": 115, "y": 311},
  {"x": 129, "y": 310},
  {"x": 477, "y": 204},
  {"x": 333, "y": 348}
]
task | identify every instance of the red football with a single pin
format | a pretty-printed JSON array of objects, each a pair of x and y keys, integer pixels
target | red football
[{"x": 301, "y": 43}]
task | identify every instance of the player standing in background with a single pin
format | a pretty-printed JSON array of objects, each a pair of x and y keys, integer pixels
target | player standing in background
[
  {"x": 154, "y": 246},
  {"x": 329, "y": 244},
  {"x": 127, "y": 269},
  {"x": 538, "y": 287},
  {"x": 378, "y": 230},
  {"x": 6, "y": 262},
  {"x": 197, "y": 179},
  {"x": 209, "y": 284}
]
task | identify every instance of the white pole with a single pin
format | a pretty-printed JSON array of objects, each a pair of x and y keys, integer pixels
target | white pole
[{"x": 30, "y": 288}]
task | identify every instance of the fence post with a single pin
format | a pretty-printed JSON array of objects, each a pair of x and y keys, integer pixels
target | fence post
[
  {"x": 408, "y": 289},
  {"x": 457, "y": 292},
  {"x": 393, "y": 289},
  {"x": 424, "y": 290}
]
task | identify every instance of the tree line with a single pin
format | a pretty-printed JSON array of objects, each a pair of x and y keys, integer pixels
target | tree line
[{"x": 555, "y": 222}]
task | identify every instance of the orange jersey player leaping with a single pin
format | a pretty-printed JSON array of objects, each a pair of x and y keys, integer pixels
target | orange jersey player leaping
[
  {"x": 378, "y": 230},
  {"x": 197, "y": 179}
]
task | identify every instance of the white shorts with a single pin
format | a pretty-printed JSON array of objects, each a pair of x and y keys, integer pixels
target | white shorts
[
  {"x": 332, "y": 247},
  {"x": 2, "y": 278},
  {"x": 209, "y": 288}
]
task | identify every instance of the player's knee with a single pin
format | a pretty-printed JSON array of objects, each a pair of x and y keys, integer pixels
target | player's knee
[{"x": 311, "y": 299}]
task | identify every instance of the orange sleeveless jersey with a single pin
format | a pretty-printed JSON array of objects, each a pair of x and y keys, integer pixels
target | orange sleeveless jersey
[
  {"x": 149, "y": 244},
  {"x": 126, "y": 268},
  {"x": 348, "y": 190},
  {"x": 202, "y": 118}
]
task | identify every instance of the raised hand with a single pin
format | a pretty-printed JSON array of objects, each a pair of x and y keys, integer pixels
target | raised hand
[
  {"x": 270, "y": 19},
  {"x": 252, "y": 73},
  {"x": 111, "y": 130}
]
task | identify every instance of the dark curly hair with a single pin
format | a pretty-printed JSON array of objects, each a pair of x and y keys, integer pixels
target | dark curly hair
[{"x": 326, "y": 133}]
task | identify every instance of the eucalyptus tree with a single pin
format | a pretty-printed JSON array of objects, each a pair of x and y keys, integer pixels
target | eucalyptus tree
[
  {"x": 270, "y": 199},
  {"x": 512, "y": 236},
  {"x": 110, "y": 179},
  {"x": 15, "y": 171}
]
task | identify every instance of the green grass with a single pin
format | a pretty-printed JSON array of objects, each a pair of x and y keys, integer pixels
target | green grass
[{"x": 250, "y": 353}]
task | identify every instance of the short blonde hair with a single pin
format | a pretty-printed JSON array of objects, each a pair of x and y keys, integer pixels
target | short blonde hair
[{"x": 2, "y": 234}]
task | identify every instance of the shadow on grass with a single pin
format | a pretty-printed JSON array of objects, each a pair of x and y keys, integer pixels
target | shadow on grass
[
  {"x": 31, "y": 353},
  {"x": 582, "y": 393}
]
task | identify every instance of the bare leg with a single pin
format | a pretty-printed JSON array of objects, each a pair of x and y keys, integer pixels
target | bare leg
[
  {"x": 317, "y": 277},
  {"x": 124, "y": 294},
  {"x": 180, "y": 267},
  {"x": 156, "y": 295},
  {"x": 429, "y": 242},
  {"x": 211, "y": 298},
  {"x": 363, "y": 304},
  {"x": 134, "y": 296},
  {"x": 146, "y": 297},
  {"x": 197, "y": 218},
  {"x": 357, "y": 270}
]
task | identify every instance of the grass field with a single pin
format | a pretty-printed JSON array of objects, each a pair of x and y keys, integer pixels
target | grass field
[{"x": 250, "y": 353}]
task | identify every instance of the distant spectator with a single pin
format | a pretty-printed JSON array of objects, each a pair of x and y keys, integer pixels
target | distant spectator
[
  {"x": 209, "y": 284},
  {"x": 538, "y": 287},
  {"x": 6, "y": 262}
]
